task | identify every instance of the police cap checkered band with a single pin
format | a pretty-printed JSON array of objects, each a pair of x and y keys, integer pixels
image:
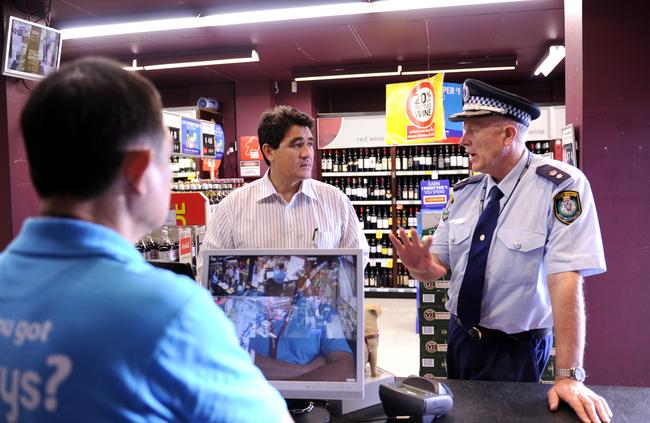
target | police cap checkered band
[{"x": 481, "y": 99}]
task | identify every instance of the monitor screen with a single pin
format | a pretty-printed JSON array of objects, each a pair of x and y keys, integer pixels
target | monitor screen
[
  {"x": 32, "y": 51},
  {"x": 299, "y": 313}
]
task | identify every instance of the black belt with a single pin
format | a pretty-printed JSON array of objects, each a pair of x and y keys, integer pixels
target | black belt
[{"x": 484, "y": 334}]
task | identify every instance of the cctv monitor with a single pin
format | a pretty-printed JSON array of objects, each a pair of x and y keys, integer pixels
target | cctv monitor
[
  {"x": 32, "y": 51},
  {"x": 298, "y": 312}
]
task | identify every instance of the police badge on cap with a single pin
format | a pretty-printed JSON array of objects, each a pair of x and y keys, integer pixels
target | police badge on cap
[{"x": 481, "y": 100}]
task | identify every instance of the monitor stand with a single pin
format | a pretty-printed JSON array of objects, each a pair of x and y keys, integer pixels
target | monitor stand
[{"x": 317, "y": 414}]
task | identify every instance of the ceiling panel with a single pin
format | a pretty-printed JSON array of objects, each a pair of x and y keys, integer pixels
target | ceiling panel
[
  {"x": 462, "y": 35},
  {"x": 521, "y": 28},
  {"x": 528, "y": 29}
]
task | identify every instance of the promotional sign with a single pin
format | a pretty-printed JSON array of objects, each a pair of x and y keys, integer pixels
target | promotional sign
[
  {"x": 249, "y": 168},
  {"x": 173, "y": 123},
  {"x": 351, "y": 131},
  {"x": 569, "y": 147},
  {"x": 219, "y": 142},
  {"x": 208, "y": 138},
  {"x": 190, "y": 207},
  {"x": 452, "y": 101},
  {"x": 249, "y": 155},
  {"x": 434, "y": 193},
  {"x": 414, "y": 112},
  {"x": 190, "y": 136},
  {"x": 548, "y": 125}
]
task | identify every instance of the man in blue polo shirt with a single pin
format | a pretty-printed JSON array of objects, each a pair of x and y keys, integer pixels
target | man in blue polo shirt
[{"x": 88, "y": 330}]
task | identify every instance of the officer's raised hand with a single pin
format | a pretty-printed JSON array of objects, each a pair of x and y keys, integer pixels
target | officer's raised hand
[{"x": 416, "y": 257}]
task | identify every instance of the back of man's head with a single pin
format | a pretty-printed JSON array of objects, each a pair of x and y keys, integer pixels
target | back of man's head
[{"x": 79, "y": 122}]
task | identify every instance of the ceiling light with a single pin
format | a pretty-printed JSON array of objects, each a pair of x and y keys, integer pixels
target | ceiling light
[
  {"x": 553, "y": 57},
  {"x": 486, "y": 69},
  {"x": 348, "y": 75},
  {"x": 134, "y": 66},
  {"x": 268, "y": 15},
  {"x": 481, "y": 64},
  {"x": 227, "y": 58}
]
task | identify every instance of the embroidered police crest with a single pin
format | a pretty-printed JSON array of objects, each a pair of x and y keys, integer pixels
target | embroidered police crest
[{"x": 567, "y": 206}]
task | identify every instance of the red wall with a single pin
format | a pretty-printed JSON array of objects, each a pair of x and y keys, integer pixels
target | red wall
[
  {"x": 17, "y": 196},
  {"x": 614, "y": 135}
]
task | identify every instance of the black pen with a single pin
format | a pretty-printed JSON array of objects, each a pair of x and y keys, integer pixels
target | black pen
[{"x": 313, "y": 236}]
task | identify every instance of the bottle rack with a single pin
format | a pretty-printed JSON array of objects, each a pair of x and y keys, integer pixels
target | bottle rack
[{"x": 383, "y": 184}]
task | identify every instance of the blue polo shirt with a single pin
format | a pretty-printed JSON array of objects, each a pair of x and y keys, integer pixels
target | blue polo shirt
[{"x": 90, "y": 332}]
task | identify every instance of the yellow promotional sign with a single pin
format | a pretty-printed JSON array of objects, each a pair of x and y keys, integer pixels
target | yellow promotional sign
[{"x": 414, "y": 113}]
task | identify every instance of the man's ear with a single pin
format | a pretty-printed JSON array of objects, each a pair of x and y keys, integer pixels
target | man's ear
[
  {"x": 136, "y": 163},
  {"x": 510, "y": 132},
  {"x": 267, "y": 150}
]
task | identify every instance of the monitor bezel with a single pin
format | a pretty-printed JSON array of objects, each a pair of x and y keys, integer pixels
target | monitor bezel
[
  {"x": 312, "y": 389},
  {"x": 5, "y": 57}
]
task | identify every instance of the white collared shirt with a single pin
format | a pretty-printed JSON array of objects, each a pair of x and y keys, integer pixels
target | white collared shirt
[
  {"x": 529, "y": 243},
  {"x": 256, "y": 216}
]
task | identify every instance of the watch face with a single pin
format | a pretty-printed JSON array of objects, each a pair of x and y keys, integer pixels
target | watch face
[{"x": 579, "y": 374}]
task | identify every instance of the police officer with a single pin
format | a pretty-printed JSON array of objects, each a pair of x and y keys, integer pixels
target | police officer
[{"x": 518, "y": 239}]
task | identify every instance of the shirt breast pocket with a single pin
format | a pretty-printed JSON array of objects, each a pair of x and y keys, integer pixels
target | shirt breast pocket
[
  {"x": 459, "y": 241},
  {"x": 524, "y": 251}
]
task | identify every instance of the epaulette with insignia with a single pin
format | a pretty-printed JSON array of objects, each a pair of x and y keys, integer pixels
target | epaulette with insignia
[
  {"x": 553, "y": 174},
  {"x": 468, "y": 181}
]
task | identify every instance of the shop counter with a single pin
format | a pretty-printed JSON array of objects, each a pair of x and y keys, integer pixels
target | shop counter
[{"x": 480, "y": 401}]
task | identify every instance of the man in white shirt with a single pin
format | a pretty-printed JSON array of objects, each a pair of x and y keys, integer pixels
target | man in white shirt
[
  {"x": 285, "y": 208},
  {"x": 288, "y": 209}
]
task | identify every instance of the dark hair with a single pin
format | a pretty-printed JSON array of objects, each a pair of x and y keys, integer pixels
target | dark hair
[
  {"x": 79, "y": 122},
  {"x": 275, "y": 123}
]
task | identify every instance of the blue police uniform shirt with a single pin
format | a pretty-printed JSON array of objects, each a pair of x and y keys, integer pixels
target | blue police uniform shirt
[
  {"x": 529, "y": 243},
  {"x": 90, "y": 332}
]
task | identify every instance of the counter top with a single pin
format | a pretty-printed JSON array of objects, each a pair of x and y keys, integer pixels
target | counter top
[{"x": 480, "y": 401}]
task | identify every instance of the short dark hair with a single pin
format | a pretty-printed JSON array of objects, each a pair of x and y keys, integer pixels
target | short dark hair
[
  {"x": 276, "y": 122},
  {"x": 79, "y": 122}
]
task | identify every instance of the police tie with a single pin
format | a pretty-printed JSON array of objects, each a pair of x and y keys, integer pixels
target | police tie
[{"x": 471, "y": 291}]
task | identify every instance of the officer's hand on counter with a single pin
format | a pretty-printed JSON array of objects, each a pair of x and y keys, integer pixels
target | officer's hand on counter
[{"x": 589, "y": 406}]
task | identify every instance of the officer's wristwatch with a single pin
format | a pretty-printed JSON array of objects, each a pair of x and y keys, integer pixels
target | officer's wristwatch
[{"x": 577, "y": 373}]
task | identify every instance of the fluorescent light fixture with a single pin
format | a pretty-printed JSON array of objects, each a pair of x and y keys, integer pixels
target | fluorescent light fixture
[
  {"x": 252, "y": 57},
  {"x": 349, "y": 75},
  {"x": 553, "y": 57},
  {"x": 485, "y": 69},
  {"x": 134, "y": 66},
  {"x": 268, "y": 15},
  {"x": 480, "y": 64}
]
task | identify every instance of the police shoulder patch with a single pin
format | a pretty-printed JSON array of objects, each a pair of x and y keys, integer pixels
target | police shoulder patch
[
  {"x": 552, "y": 173},
  {"x": 468, "y": 181},
  {"x": 567, "y": 207}
]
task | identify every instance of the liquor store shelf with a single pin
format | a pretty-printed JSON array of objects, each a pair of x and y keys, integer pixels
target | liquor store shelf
[
  {"x": 184, "y": 175},
  {"x": 385, "y": 202},
  {"x": 400, "y": 173},
  {"x": 372, "y": 292},
  {"x": 375, "y": 173},
  {"x": 430, "y": 172},
  {"x": 377, "y": 231}
]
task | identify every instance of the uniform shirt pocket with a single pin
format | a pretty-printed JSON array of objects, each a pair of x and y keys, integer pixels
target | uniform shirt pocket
[
  {"x": 523, "y": 253},
  {"x": 459, "y": 242}
]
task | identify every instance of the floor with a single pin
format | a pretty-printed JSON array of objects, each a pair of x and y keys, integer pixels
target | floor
[{"x": 399, "y": 348}]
